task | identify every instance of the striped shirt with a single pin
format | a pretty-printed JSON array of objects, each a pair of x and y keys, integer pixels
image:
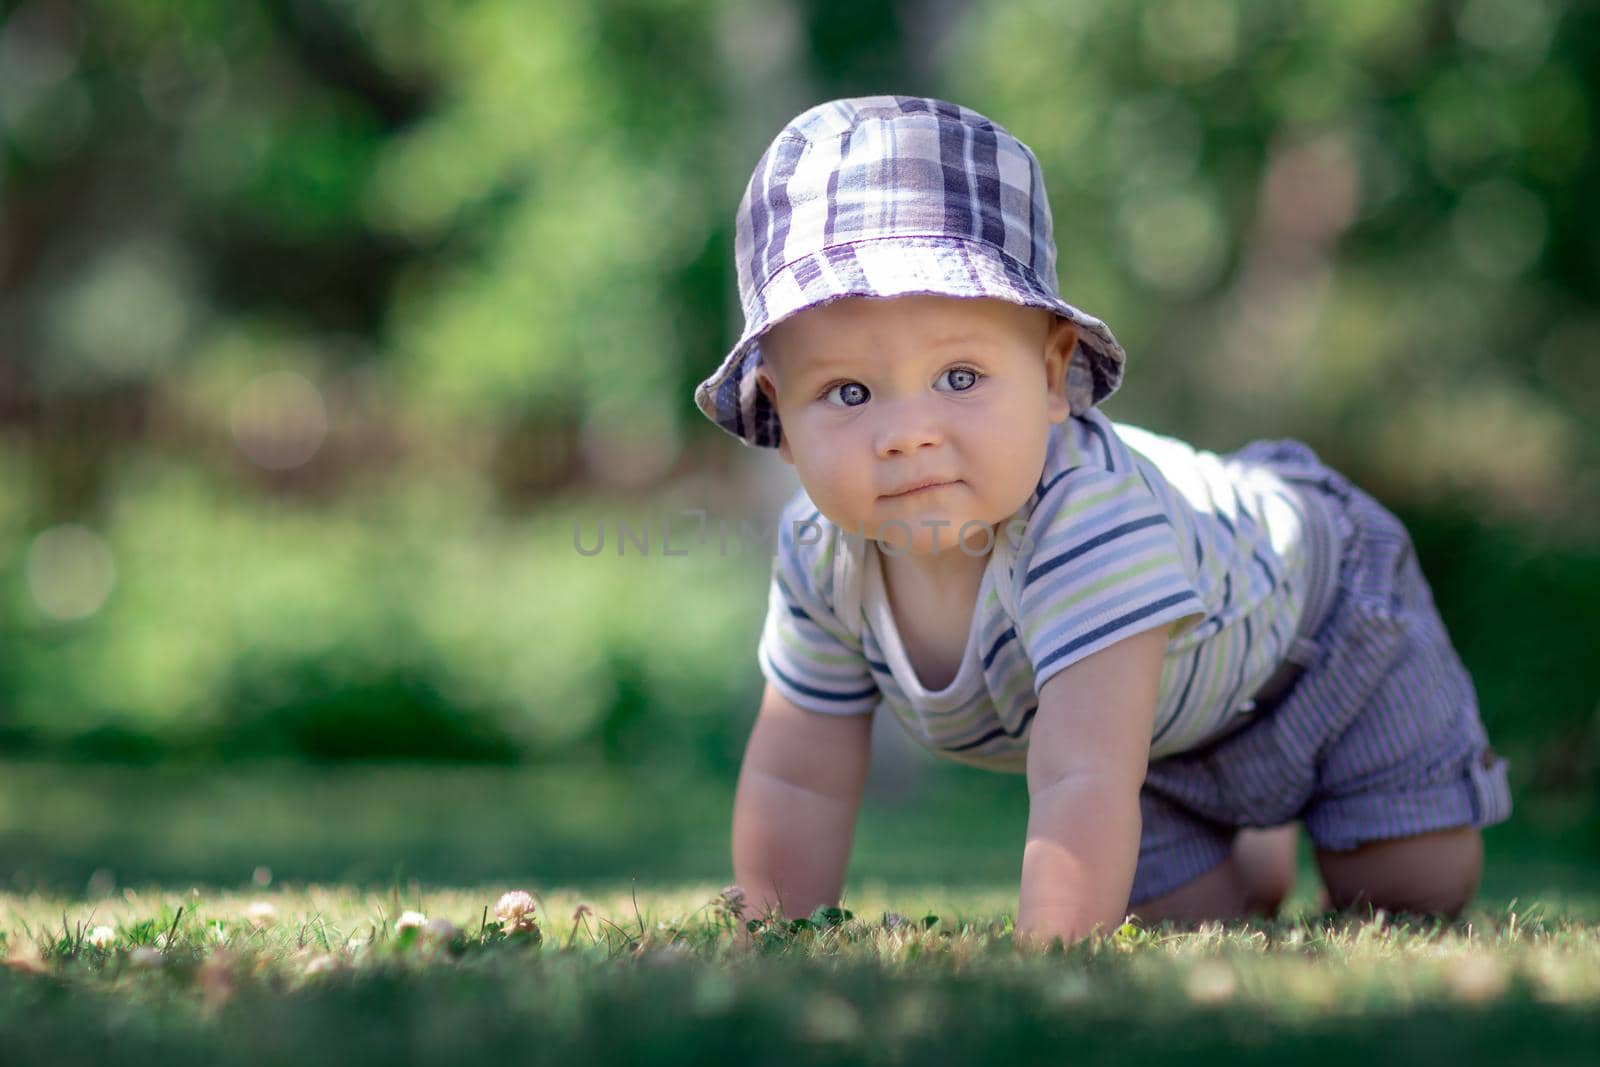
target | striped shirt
[{"x": 1125, "y": 530}]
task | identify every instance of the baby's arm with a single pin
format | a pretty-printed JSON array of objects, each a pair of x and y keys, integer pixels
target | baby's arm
[
  {"x": 1088, "y": 752},
  {"x": 794, "y": 814}
]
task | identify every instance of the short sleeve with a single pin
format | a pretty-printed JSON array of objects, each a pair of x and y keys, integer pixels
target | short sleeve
[
  {"x": 805, "y": 651},
  {"x": 1103, "y": 562}
]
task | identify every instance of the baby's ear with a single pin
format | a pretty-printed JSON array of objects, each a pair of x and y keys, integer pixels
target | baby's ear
[
  {"x": 1060, "y": 344},
  {"x": 765, "y": 383},
  {"x": 769, "y": 389}
]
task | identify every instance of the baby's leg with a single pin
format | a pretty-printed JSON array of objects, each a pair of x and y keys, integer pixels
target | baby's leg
[
  {"x": 1254, "y": 879},
  {"x": 1267, "y": 860},
  {"x": 1403, "y": 787},
  {"x": 1434, "y": 872}
]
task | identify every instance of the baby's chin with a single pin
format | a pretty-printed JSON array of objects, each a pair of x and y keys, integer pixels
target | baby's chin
[
  {"x": 944, "y": 522},
  {"x": 928, "y": 552},
  {"x": 928, "y": 535}
]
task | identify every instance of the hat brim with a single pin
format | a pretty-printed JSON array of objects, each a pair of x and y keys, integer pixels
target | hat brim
[{"x": 886, "y": 267}]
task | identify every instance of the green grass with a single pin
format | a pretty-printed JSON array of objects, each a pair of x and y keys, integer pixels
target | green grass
[
  {"x": 652, "y": 973},
  {"x": 368, "y": 824},
  {"x": 659, "y": 979},
  {"x": 68, "y": 829}
]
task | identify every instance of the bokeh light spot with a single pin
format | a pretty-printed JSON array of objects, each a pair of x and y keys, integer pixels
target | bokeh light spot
[
  {"x": 122, "y": 317},
  {"x": 184, "y": 85},
  {"x": 1174, "y": 239},
  {"x": 1154, "y": 139},
  {"x": 1186, "y": 40},
  {"x": 50, "y": 125},
  {"x": 39, "y": 45},
  {"x": 279, "y": 420},
  {"x": 630, "y": 447},
  {"x": 1499, "y": 228},
  {"x": 69, "y": 572},
  {"x": 1514, "y": 30}
]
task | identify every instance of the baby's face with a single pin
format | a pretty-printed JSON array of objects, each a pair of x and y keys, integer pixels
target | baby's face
[{"x": 877, "y": 397}]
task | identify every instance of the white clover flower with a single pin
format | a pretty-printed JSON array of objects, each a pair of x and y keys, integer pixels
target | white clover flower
[
  {"x": 261, "y": 913},
  {"x": 732, "y": 901},
  {"x": 1211, "y": 982},
  {"x": 514, "y": 910},
  {"x": 440, "y": 929},
  {"x": 216, "y": 980},
  {"x": 666, "y": 953},
  {"x": 513, "y": 905},
  {"x": 1477, "y": 978},
  {"x": 321, "y": 964},
  {"x": 102, "y": 937},
  {"x": 410, "y": 920}
]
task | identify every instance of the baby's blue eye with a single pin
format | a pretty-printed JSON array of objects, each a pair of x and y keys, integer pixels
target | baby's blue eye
[
  {"x": 850, "y": 394},
  {"x": 961, "y": 378}
]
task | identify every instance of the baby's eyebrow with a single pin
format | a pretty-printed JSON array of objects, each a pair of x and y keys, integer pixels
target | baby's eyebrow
[
  {"x": 957, "y": 339},
  {"x": 818, "y": 366}
]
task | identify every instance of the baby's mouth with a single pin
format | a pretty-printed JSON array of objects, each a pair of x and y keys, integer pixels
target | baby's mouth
[{"x": 918, "y": 488}]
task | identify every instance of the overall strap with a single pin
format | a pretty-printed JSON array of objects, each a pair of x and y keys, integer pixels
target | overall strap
[
  {"x": 1005, "y": 586},
  {"x": 1311, "y": 481},
  {"x": 849, "y": 574},
  {"x": 1325, "y": 537}
]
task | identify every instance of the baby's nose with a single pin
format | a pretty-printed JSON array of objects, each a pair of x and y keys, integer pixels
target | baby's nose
[{"x": 906, "y": 427}]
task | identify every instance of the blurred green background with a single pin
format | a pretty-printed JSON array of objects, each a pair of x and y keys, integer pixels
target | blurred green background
[{"x": 323, "y": 322}]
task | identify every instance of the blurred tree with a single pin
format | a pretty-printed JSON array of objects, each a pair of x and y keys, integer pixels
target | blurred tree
[
  {"x": 322, "y": 320},
  {"x": 1367, "y": 225}
]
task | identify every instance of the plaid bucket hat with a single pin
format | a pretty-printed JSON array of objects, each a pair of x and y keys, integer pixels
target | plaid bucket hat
[{"x": 887, "y": 196}]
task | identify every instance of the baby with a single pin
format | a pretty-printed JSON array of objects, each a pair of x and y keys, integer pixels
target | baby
[{"x": 1174, "y": 645}]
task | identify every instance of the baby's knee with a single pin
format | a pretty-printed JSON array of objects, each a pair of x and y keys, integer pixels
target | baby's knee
[
  {"x": 1217, "y": 895},
  {"x": 1435, "y": 873}
]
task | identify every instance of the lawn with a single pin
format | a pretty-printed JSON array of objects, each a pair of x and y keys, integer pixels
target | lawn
[
  {"x": 276, "y": 948},
  {"x": 333, "y": 974}
]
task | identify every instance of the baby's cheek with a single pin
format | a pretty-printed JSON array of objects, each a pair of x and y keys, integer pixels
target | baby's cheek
[
  {"x": 832, "y": 483},
  {"x": 1012, "y": 479}
]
